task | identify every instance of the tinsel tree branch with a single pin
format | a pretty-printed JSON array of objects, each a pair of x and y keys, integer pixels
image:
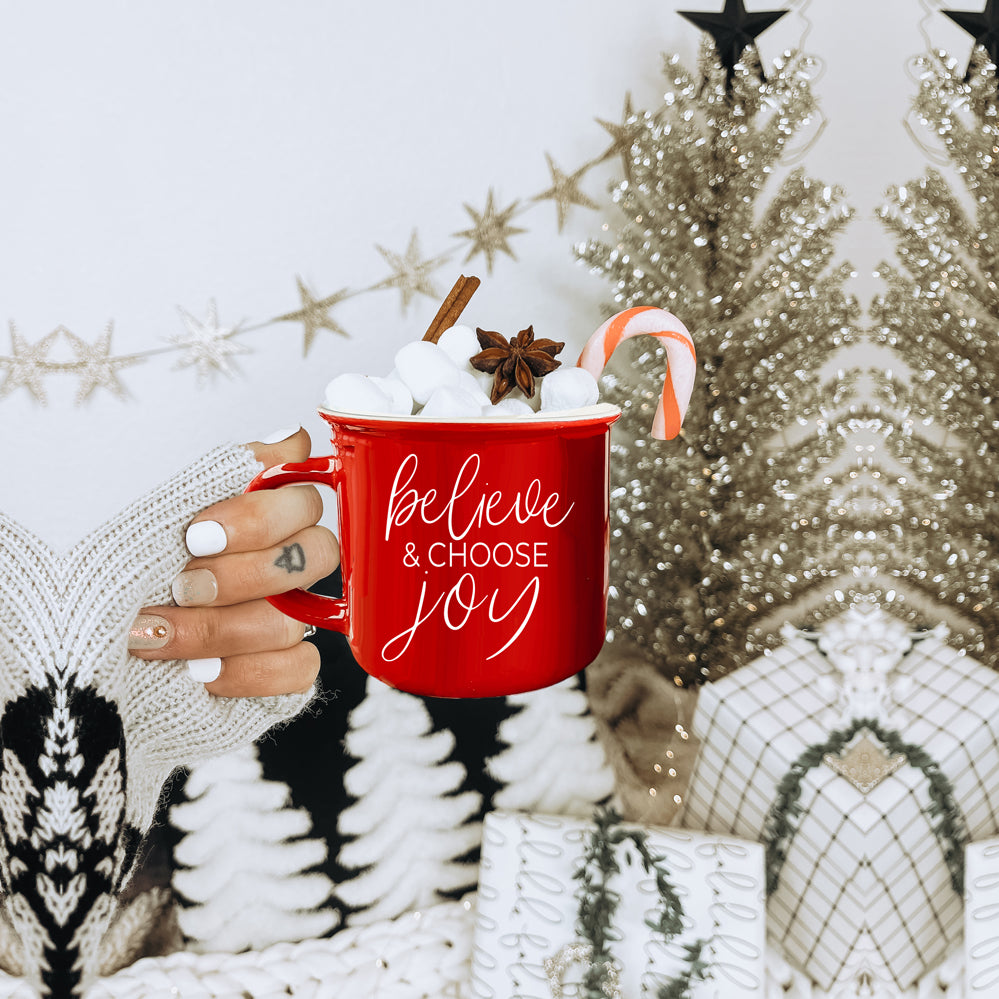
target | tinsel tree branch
[
  {"x": 941, "y": 305},
  {"x": 713, "y": 531}
]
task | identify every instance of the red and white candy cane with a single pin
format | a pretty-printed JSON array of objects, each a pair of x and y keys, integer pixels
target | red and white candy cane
[{"x": 680, "y": 356}]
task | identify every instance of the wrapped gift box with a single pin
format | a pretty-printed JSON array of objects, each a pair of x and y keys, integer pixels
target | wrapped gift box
[
  {"x": 981, "y": 919},
  {"x": 526, "y": 910},
  {"x": 864, "y": 872}
]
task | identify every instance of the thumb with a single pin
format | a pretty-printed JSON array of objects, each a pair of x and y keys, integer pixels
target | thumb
[{"x": 291, "y": 444}]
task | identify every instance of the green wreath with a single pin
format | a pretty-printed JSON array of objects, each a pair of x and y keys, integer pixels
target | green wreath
[
  {"x": 598, "y": 904},
  {"x": 945, "y": 816}
]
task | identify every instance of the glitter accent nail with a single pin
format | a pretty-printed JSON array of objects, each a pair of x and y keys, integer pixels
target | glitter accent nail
[
  {"x": 194, "y": 588},
  {"x": 206, "y": 537},
  {"x": 149, "y": 631},
  {"x": 204, "y": 670}
]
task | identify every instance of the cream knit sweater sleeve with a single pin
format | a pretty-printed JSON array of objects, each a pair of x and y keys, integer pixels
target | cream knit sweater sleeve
[{"x": 88, "y": 733}]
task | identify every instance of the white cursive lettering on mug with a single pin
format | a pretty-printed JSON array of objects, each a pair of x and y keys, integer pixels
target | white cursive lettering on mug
[
  {"x": 457, "y": 511},
  {"x": 493, "y": 509},
  {"x": 457, "y": 607}
]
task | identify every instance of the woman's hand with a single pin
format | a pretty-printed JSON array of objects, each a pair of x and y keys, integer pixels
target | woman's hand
[{"x": 246, "y": 548}]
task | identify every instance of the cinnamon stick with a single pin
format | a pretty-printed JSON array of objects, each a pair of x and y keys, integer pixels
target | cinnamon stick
[{"x": 452, "y": 307}]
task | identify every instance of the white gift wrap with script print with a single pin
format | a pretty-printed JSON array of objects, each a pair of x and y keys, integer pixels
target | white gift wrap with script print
[
  {"x": 526, "y": 909},
  {"x": 864, "y": 873},
  {"x": 981, "y": 919}
]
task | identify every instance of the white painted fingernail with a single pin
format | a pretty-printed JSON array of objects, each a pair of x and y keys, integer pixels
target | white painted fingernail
[
  {"x": 206, "y": 537},
  {"x": 280, "y": 435},
  {"x": 204, "y": 670}
]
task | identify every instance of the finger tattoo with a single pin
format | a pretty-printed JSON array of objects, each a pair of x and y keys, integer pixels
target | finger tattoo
[{"x": 291, "y": 559}]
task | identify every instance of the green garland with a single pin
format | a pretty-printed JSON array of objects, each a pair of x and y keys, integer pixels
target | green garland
[
  {"x": 947, "y": 821},
  {"x": 598, "y": 904}
]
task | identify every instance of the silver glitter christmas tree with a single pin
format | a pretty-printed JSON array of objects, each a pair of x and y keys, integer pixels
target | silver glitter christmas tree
[
  {"x": 940, "y": 311},
  {"x": 711, "y": 532}
]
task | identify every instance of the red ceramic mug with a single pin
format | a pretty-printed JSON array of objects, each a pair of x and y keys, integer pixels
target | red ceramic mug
[{"x": 474, "y": 552}]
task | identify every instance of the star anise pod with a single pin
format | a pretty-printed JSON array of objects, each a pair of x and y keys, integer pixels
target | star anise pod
[{"x": 514, "y": 362}]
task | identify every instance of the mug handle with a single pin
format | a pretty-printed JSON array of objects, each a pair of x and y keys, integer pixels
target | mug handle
[{"x": 309, "y": 608}]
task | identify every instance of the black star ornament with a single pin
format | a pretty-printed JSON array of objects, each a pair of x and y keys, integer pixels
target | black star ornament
[
  {"x": 983, "y": 27},
  {"x": 734, "y": 29}
]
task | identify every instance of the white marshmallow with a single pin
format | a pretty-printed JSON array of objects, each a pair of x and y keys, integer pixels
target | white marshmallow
[
  {"x": 459, "y": 343},
  {"x": 470, "y": 383},
  {"x": 393, "y": 386},
  {"x": 423, "y": 367},
  {"x": 568, "y": 388},
  {"x": 508, "y": 407},
  {"x": 482, "y": 378},
  {"x": 353, "y": 393},
  {"x": 451, "y": 402},
  {"x": 534, "y": 402}
]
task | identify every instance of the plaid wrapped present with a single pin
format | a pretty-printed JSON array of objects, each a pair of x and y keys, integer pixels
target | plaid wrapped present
[{"x": 870, "y": 881}]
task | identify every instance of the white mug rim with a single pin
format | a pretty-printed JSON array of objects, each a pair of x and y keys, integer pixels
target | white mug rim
[{"x": 601, "y": 410}]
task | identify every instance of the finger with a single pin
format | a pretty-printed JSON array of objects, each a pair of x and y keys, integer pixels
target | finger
[
  {"x": 295, "y": 447},
  {"x": 251, "y": 521},
  {"x": 266, "y": 674},
  {"x": 207, "y": 632},
  {"x": 298, "y": 561}
]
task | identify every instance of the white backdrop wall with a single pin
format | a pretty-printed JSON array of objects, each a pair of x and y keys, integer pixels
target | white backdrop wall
[{"x": 161, "y": 156}]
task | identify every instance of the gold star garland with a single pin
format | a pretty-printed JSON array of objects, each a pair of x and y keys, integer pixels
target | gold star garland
[
  {"x": 491, "y": 231},
  {"x": 410, "y": 272},
  {"x": 565, "y": 191},
  {"x": 314, "y": 315},
  {"x": 95, "y": 365},
  {"x": 208, "y": 347},
  {"x": 27, "y": 364}
]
